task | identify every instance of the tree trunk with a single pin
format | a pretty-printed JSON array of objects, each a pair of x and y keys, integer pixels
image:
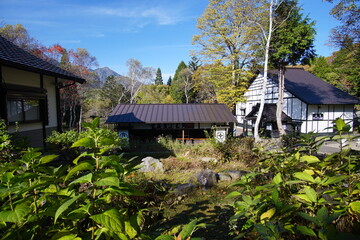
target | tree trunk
[
  {"x": 80, "y": 117},
  {"x": 235, "y": 67},
  {"x": 264, "y": 85},
  {"x": 279, "y": 106}
]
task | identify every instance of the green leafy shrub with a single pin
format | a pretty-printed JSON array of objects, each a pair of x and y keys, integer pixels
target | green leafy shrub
[
  {"x": 297, "y": 195},
  {"x": 236, "y": 149},
  {"x": 64, "y": 140},
  {"x": 90, "y": 199},
  {"x": 10, "y": 144}
]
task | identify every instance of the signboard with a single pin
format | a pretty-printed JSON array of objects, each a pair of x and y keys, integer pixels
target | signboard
[
  {"x": 220, "y": 135},
  {"x": 124, "y": 134}
]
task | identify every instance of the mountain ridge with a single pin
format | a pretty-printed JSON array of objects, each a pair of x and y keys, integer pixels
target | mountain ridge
[{"x": 105, "y": 72}]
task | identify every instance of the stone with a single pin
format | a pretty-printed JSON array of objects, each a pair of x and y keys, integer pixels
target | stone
[
  {"x": 208, "y": 159},
  {"x": 207, "y": 178},
  {"x": 183, "y": 189},
  {"x": 224, "y": 176},
  {"x": 235, "y": 175},
  {"x": 150, "y": 164}
]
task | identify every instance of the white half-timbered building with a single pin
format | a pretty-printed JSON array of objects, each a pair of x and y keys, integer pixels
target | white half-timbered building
[{"x": 311, "y": 103}]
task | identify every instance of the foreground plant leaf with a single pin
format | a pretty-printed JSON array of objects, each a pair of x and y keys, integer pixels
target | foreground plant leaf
[
  {"x": 111, "y": 219},
  {"x": 65, "y": 206},
  {"x": 268, "y": 214},
  {"x": 304, "y": 176},
  {"x": 306, "y": 231},
  {"x": 17, "y": 215}
]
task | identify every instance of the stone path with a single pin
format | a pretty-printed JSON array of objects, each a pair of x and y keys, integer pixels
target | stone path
[{"x": 333, "y": 146}]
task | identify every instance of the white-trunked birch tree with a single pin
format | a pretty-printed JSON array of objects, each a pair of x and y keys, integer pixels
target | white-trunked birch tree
[
  {"x": 267, "y": 33},
  {"x": 291, "y": 44},
  {"x": 137, "y": 76}
]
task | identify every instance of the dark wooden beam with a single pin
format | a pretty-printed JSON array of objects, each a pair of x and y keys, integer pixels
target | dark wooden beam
[
  {"x": 3, "y": 107},
  {"x": 58, "y": 111},
  {"x": 43, "y": 111}
]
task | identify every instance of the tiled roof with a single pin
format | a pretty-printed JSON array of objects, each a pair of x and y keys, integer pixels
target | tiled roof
[
  {"x": 171, "y": 113},
  {"x": 14, "y": 56},
  {"x": 313, "y": 90}
]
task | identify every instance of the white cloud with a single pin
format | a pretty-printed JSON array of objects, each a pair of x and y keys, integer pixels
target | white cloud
[{"x": 144, "y": 15}]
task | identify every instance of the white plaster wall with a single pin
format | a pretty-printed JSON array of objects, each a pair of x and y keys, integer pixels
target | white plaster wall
[
  {"x": 20, "y": 77},
  {"x": 49, "y": 85},
  {"x": 331, "y": 112}
]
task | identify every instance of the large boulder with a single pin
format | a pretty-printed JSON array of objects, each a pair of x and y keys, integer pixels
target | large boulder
[
  {"x": 224, "y": 176},
  {"x": 207, "y": 178},
  {"x": 235, "y": 175},
  {"x": 183, "y": 189},
  {"x": 150, "y": 164}
]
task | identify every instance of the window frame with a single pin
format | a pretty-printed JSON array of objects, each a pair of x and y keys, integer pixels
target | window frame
[
  {"x": 23, "y": 110},
  {"x": 21, "y": 93}
]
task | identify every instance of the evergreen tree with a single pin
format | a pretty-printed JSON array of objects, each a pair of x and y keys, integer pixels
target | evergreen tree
[
  {"x": 176, "y": 90},
  {"x": 158, "y": 79},
  {"x": 194, "y": 64},
  {"x": 113, "y": 92},
  {"x": 169, "y": 81}
]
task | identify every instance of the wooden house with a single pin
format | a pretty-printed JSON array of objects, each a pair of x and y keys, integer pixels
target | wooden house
[
  {"x": 310, "y": 104},
  {"x": 180, "y": 121},
  {"x": 29, "y": 92}
]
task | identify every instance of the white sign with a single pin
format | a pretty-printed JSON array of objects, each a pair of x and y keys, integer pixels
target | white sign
[{"x": 220, "y": 135}]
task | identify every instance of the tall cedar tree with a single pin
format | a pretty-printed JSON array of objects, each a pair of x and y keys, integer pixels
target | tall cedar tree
[
  {"x": 176, "y": 90},
  {"x": 113, "y": 91},
  {"x": 291, "y": 43},
  {"x": 158, "y": 78},
  {"x": 169, "y": 82},
  {"x": 194, "y": 64}
]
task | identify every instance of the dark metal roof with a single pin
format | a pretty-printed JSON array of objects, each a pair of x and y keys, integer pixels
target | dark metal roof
[
  {"x": 313, "y": 90},
  {"x": 14, "y": 56},
  {"x": 269, "y": 113},
  {"x": 171, "y": 113}
]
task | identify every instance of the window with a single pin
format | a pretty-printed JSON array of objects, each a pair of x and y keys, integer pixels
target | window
[
  {"x": 23, "y": 110},
  {"x": 318, "y": 116}
]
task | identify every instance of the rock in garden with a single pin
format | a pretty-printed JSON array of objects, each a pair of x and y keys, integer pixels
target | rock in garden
[
  {"x": 150, "y": 164},
  {"x": 206, "y": 178},
  {"x": 208, "y": 159},
  {"x": 235, "y": 175},
  {"x": 224, "y": 177},
  {"x": 185, "y": 188}
]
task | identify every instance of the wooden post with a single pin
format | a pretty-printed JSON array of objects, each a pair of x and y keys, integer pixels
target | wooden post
[{"x": 183, "y": 135}]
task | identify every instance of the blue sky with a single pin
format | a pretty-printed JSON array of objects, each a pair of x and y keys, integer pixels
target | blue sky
[{"x": 158, "y": 33}]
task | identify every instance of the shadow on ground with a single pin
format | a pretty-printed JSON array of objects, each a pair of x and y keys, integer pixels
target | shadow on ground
[{"x": 217, "y": 218}]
